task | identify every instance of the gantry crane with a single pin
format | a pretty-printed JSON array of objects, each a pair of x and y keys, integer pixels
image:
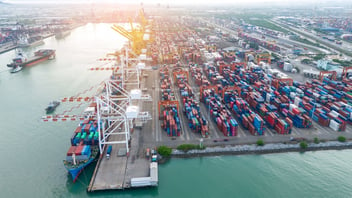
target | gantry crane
[
  {"x": 345, "y": 72},
  {"x": 202, "y": 88},
  {"x": 331, "y": 74},
  {"x": 232, "y": 88},
  {"x": 264, "y": 56}
]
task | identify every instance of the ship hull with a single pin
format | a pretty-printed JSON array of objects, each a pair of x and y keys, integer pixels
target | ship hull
[
  {"x": 62, "y": 34},
  {"x": 34, "y": 44},
  {"x": 34, "y": 60},
  {"x": 75, "y": 172}
]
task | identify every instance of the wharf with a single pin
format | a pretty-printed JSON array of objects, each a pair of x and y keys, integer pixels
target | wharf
[
  {"x": 7, "y": 47},
  {"x": 117, "y": 172}
]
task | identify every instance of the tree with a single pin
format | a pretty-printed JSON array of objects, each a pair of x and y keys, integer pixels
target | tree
[
  {"x": 260, "y": 142},
  {"x": 306, "y": 61},
  {"x": 316, "y": 140},
  {"x": 341, "y": 139},
  {"x": 303, "y": 145},
  {"x": 187, "y": 147},
  {"x": 164, "y": 151}
]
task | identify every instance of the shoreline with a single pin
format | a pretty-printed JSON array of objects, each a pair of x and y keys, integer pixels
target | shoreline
[{"x": 259, "y": 150}]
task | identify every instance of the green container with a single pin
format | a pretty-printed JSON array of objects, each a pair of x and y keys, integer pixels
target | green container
[
  {"x": 197, "y": 123},
  {"x": 96, "y": 134},
  {"x": 78, "y": 135}
]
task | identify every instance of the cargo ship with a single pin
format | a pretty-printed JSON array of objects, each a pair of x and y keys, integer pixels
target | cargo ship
[
  {"x": 62, "y": 33},
  {"x": 84, "y": 148},
  {"x": 21, "y": 61},
  {"x": 27, "y": 41}
]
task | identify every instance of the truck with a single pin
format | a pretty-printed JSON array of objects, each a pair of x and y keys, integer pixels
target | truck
[
  {"x": 108, "y": 152},
  {"x": 147, "y": 153},
  {"x": 154, "y": 156}
]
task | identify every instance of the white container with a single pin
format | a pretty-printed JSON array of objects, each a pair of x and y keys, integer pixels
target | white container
[
  {"x": 299, "y": 91},
  {"x": 268, "y": 97},
  {"x": 288, "y": 67},
  {"x": 334, "y": 114},
  {"x": 334, "y": 125},
  {"x": 335, "y": 107},
  {"x": 135, "y": 94},
  {"x": 292, "y": 106},
  {"x": 297, "y": 101},
  {"x": 292, "y": 94},
  {"x": 143, "y": 57},
  {"x": 132, "y": 111},
  {"x": 316, "y": 95}
]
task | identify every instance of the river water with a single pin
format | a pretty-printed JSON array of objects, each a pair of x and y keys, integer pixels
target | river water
[{"x": 32, "y": 151}]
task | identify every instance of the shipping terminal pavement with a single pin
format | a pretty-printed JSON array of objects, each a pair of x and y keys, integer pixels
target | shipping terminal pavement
[{"x": 116, "y": 173}]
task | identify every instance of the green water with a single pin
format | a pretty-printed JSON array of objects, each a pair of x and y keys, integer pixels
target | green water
[{"x": 32, "y": 151}]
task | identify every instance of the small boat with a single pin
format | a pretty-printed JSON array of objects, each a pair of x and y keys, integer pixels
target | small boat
[{"x": 52, "y": 106}]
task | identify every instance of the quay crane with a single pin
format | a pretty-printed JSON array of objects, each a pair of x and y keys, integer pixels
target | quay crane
[
  {"x": 137, "y": 36},
  {"x": 114, "y": 108}
]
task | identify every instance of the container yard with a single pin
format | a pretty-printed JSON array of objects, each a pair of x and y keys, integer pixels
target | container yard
[
  {"x": 201, "y": 87},
  {"x": 203, "y": 93},
  {"x": 239, "y": 98}
]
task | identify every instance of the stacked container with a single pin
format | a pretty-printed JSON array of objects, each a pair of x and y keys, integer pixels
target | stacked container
[
  {"x": 86, "y": 133},
  {"x": 171, "y": 121},
  {"x": 196, "y": 120},
  {"x": 220, "y": 115}
]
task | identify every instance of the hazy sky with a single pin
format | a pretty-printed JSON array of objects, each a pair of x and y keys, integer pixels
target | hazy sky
[
  {"x": 203, "y": 2},
  {"x": 163, "y": 1}
]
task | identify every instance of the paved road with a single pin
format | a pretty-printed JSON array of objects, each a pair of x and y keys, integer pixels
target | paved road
[
  {"x": 280, "y": 39},
  {"x": 331, "y": 46}
]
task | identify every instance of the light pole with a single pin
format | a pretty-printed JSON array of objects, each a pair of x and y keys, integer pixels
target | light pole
[{"x": 201, "y": 143}]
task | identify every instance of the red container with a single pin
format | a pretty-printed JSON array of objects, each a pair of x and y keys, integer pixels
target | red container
[
  {"x": 78, "y": 129},
  {"x": 87, "y": 127},
  {"x": 79, "y": 149},
  {"x": 289, "y": 121},
  {"x": 245, "y": 121},
  {"x": 296, "y": 111},
  {"x": 343, "y": 113},
  {"x": 251, "y": 129},
  {"x": 325, "y": 109},
  {"x": 71, "y": 150},
  {"x": 85, "y": 121},
  {"x": 305, "y": 99},
  {"x": 323, "y": 122},
  {"x": 278, "y": 129}
]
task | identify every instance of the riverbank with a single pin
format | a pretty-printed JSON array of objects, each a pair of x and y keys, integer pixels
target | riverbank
[{"x": 266, "y": 149}]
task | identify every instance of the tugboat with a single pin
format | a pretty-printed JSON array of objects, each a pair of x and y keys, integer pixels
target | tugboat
[
  {"x": 17, "y": 62},
  {"x": 52, "y": 106},
  {"x": 16, "y": 68}
]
